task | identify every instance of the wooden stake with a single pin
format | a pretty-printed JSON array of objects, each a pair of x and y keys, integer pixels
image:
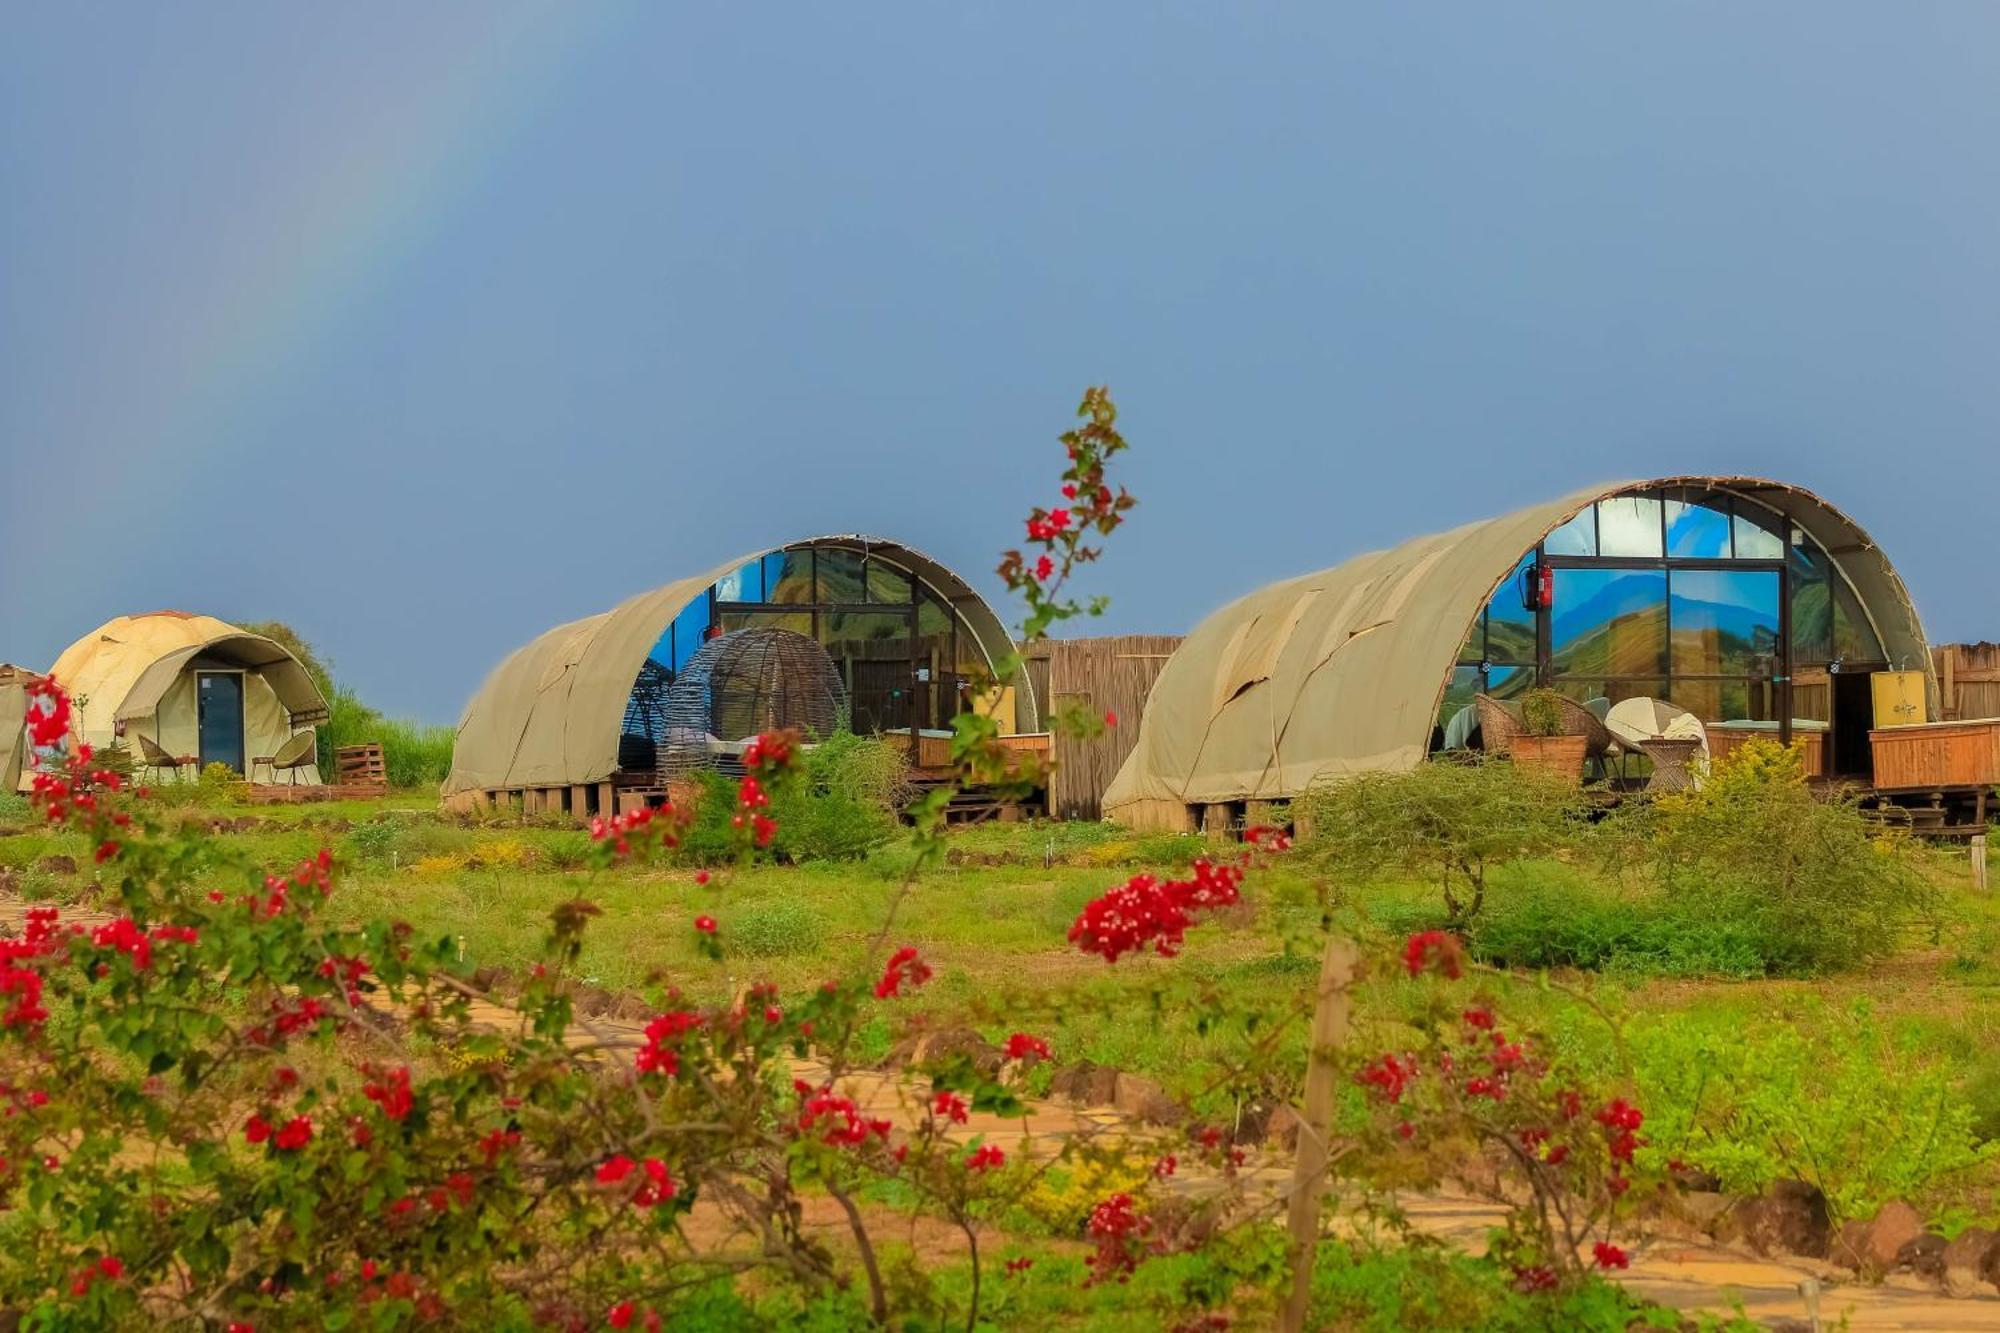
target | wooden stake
[
  {"x": 1329, "y": 1030},
  {"x": 1978, "y": 841}
]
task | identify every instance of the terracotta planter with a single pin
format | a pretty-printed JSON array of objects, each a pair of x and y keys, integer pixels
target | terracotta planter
[{"x": 1559, "y": 755}]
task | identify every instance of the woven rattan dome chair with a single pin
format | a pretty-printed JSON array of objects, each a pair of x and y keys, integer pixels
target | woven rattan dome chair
[
  {"x": 742, "y": 684},
  {"x": 1497, "y": 724}
]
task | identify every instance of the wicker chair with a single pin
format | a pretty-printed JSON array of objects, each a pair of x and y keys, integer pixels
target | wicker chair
[
  {"x": 1497, "y": 724},
  {"x": 1599, "y": 743},
  {"x": 153, "y": 758}
]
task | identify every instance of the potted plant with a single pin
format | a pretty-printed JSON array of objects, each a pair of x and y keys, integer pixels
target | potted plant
[{"x": 1543, "y": 744}]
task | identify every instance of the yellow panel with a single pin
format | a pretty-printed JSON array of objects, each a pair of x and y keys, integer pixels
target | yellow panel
[
  {"x": 998, "y": 704},
  {"x": 1899, "y": 698}
]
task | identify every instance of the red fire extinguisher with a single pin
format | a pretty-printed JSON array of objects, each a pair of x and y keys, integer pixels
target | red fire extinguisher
[{"x": 1538, "y": 587}]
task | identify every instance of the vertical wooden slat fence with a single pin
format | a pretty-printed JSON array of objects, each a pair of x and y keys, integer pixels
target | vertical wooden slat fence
[
  {"x": 1968, "y": 680},
  {"x": 1110, "y": 674}
]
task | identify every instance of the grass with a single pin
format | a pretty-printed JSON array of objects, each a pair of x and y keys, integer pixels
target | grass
[{"x": 1900, "y": 1044}]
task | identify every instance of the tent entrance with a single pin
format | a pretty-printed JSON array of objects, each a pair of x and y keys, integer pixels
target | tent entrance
[{"x": 219, "y": 718}]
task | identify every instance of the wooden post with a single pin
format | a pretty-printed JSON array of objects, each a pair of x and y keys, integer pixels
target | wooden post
[
  {"x": 1978, "y": 841},
  {"x": 579, "y": 804},
  {"x": 1336, "y": 973}
]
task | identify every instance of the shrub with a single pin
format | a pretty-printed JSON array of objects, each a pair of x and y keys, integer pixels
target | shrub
[
  {"x": 1811, "y": 881},
  {"x": 846, "y": 806},
  {"x": 1447, "y": 822},
  {"x": 1837, "y": 1102}
]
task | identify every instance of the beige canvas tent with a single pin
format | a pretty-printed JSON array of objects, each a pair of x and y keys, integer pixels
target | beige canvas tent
[
  {"x": 193, "y": 685},
  {"x": 1733, "y": 596},
  {"x": 13, "y": 721},
  {"x": 575, "y": 712}
]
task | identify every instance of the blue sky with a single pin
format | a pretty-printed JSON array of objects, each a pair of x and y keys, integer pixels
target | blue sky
[{"x": 425, "y": 327}]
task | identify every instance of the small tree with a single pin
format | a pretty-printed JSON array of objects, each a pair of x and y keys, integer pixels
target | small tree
[{"x": 1450, "y": 822}]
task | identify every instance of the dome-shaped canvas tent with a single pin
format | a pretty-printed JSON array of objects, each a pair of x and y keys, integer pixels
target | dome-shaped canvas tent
[
  {"x": 563, "y": 719},
  {"x": 1730, "y": 595},
  {"x": 193, "y": 685}
]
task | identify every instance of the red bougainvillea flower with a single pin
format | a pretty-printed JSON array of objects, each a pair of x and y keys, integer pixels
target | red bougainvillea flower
[
  {"x": 1388, "y": 1074},
  {"x": 660, "y": 1054},
  {"x": 986, "y": 1157},
  {"x": 904, "y": 969},
  {"x": 615, "y": 1169},
  {"x": 1043, "y": 568},
  {"x": 391, "y": 1092},
  {"x": 1166, "y": 1166},
  {"x": 1110, "y": 717},
  {"x": 1434, "y": 950},
  {"x": 1020, "y": 1046},
  {"x": 657, "y": 1187},
  {"x": 1021, "y": 1265},
  {"x": 1144, "y": 910},
  {"x": 1610, "y": 1256},
  {"x": 1479, "y": 1018},
  {"x": 951, "y": 1106},
  {"x": 1621, "y": 1121},
  {"x": 1116, "y": 1228},
  {"x": 620, "y": 1315},
  {"x": 294, "y": 1134},
  {"x": 256, "y": 1129},
  {"x": 705, "y": 924}
]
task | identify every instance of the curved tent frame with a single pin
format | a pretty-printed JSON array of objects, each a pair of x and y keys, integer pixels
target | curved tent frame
[
  {"x": 1344, "y": 670},
  {"x": 551, "y": 713}
]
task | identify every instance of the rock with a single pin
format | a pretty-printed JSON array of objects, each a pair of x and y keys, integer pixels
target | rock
[
  {"x": 946, "y": 1044},
  {"x": 591, "y": 1000},
  {"x": 57, "y": 865},
  {"x": 1846, "y": 1249},
  {"x": 1790, "y": 1218},
  {"x": 1146, "y": 1101},
  {"x": 1923, "y": 1256},
  {"x": 1966, "y": 1261},
  {"x": 1872, "y": 1246},
  {"x": 1085, "y": 1084},
  {"x": 1705, "y": 1212}
]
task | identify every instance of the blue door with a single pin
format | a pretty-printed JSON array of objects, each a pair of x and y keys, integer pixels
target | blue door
[{"x": 219, "y": 717}]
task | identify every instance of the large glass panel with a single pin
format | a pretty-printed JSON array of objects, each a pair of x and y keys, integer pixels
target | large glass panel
[
  {"x": 1629, "y": 525},
  {"x": 936, "y": 676},
  {"x": 1755, "y": 539},
  {"x": 1728, "y": 700},
  {"x": 1696, "y": 532},
  {"x": 788, "y": 577},
  {"x": 1576, "y": 537},
  {"x": 1510, "y": 628},
  {"x": 872, "y": 650},
  {"x": 1725, "y": 622},
  {"x": 1588, "y": 692},
  {"x": 1510, "y": 682},
  {"x": 887, "y": 582},
  {"x": 685, "y": 636},
  {"x": 798, "y": 622},
  {"x": 1458, "y": 693},
  {"x": 841, "y": 575},
  {"x": 1827, "y": 619},
  {"x": 1609, "y": 622},
  {"x": 744, "y": 585},
  {"x": 1473, "y": 651}
]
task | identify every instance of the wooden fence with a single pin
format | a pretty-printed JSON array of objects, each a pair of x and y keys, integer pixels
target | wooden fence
[
  {"x": 1111, "y": 674},
  {"x": 1968, "y": 680}
]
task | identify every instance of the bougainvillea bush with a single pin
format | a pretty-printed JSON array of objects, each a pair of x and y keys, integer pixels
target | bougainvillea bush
[{"x": 232, "y": 1108}]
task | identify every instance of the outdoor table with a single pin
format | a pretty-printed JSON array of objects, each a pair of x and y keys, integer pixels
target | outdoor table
[{"x": 1670, "y": 755}]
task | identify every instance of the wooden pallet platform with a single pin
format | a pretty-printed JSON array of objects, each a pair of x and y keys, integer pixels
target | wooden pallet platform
[{"x": 359, "y": 764}]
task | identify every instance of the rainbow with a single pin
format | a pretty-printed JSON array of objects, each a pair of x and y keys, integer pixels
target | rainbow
[{"x": 334, "y": 244}]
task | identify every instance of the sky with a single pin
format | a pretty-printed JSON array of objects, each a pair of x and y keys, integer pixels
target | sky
[{"x": 426, "y": 327}]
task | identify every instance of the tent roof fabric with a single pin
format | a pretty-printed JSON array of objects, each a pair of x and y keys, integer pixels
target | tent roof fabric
[
  {"x": 550, "y": 714},
  {"x": 124, "y": 667},
  {"x": 1343, "y": 670}
]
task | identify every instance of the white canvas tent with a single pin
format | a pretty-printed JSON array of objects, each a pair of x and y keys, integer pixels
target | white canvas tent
[{"x": 139, "y": 675}]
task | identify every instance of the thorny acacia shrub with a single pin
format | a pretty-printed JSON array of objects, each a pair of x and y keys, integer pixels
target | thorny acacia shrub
[{"x": 1448, "y": 822}]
